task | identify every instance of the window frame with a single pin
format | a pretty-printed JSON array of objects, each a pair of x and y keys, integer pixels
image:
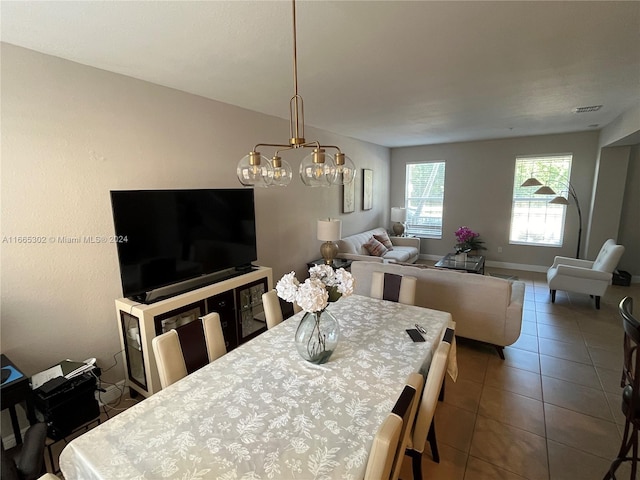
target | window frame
[
  {"x": 553, "y": 170},
  {"x": 434, "y": 231}
]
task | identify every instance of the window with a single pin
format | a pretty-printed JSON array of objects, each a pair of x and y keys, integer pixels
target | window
[
  {"x": 535, "y": 221},
  {"x": 425, "y": 198}
]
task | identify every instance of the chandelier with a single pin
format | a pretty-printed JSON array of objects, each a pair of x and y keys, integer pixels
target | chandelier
[{"x": 317, "y": 169}]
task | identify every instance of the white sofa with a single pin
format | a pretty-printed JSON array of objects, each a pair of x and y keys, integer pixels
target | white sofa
[
  {"x": 405, "y": 249},
  {"x": 485, "y": 308}
]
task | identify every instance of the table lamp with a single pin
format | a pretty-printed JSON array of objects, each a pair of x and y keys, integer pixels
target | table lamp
[
  {"x": 399, "y": 216},
  {"x": 329, "y": 231}
]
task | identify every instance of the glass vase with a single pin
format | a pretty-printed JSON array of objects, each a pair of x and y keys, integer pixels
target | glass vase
[{"x": 317, "y": 336}]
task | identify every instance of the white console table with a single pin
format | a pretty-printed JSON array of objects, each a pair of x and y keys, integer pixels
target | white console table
[{"x": 238, "y": 300}]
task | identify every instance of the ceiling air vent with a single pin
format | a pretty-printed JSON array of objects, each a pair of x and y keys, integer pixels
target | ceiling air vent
[{"x": 592, "y": 108}]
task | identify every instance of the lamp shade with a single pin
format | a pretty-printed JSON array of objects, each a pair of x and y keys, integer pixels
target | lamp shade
[
  {"x": 398, "y": 214},
  {"x": 329, "y": 230},
  {"x": 531, "y": 182},
  {"x": 545, "y": 190}
]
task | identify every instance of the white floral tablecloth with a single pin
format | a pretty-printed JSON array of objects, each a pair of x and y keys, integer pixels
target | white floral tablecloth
[{"x": 261, "y": 411}]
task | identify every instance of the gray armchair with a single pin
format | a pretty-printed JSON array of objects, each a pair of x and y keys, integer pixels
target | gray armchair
[{"x": 584, "y": 276}]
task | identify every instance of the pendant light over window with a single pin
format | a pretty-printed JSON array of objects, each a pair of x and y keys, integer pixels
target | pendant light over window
[{"x": 318, "y": 169}]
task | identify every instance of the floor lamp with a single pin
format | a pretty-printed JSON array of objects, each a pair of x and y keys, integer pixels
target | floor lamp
[{"x": 558, "y": 200}]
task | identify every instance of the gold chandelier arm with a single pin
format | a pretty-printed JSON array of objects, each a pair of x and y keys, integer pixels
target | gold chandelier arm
[
  {"x": 331, "y": 146},
  {"x": 276, "y": 145},
  {"x": 283, "y": 148}
]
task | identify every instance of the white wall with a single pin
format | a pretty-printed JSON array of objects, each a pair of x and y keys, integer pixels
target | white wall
[
  {"x": 608, "y": 195},
  {"x": 70, "y": 134},
  {"x": 479, "y": 189},
  {"x": 624, "y": 130},
  {"x": 629, "y": 233}
]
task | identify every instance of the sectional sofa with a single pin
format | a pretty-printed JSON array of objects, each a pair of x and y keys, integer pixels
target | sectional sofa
[{"x": 485, "y": 308}]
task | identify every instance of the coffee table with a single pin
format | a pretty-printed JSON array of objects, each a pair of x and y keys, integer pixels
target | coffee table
[{"x": 473, "y": 263}]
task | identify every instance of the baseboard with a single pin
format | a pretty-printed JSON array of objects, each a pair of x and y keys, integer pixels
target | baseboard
[{"x": 112, "y": 393}]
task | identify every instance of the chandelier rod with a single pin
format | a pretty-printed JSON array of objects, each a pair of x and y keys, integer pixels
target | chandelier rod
[
  {"x": 296, "y": 104},
  {"x": 295, "y": 52}
]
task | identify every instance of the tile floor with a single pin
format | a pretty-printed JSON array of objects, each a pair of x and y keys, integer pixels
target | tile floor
[{"x": 551, "y": 409}]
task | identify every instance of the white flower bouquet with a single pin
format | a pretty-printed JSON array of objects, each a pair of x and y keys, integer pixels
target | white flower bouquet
[{"x": 324, "y": 285}]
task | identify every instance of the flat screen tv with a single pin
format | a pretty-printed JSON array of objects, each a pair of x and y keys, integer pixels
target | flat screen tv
[{"x": 170, "y": 236}]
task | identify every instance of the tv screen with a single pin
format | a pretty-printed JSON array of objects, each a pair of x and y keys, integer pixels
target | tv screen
[{"x": 167, "y": 236}]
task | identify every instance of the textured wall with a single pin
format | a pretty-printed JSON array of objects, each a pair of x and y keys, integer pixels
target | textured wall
[
  {"x": 479, "y": 189},
  {"x": 70, "y": 134}
]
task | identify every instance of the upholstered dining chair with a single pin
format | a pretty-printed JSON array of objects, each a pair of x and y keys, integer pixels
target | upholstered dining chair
[
  {"x": 385, "y": 457},
  {"x": 184, "y": 350},
  {"x": 630, "y": 384},
  {"x": 424, "y": 425},
  {"x": 585, "y": 276},
  {"x": 393, "y": 287},
  {"x": 272, "y": 309}
]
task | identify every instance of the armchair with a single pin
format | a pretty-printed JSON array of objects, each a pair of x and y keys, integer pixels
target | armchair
[{"x": 585, "y": 276}]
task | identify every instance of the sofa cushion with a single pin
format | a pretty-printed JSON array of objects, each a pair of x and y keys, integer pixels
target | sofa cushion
[
  {"x": 375, "y": 248},
  {"x": 384, "y": 239},
  {"x": 400, "y": 254}
]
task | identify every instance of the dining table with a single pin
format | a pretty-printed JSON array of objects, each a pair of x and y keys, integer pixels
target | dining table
[{"x": 262, "y": 411}]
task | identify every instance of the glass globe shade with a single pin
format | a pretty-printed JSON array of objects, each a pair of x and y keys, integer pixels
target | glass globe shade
[
  {"x": 317, "y": 169},
  {"x": 254, "y": 170},
  {"x": 345, "y": 170},
  {"x": 281, "y": 172}
]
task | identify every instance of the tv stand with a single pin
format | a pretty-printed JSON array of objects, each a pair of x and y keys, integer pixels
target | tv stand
[{"x": 235, "y": 295}]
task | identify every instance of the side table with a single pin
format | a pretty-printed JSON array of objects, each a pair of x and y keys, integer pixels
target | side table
[{"x": 15, "y": 389}]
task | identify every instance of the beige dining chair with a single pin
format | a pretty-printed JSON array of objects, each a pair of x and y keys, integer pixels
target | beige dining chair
[
  {"x": 184, "y": 350},
  {"x": 387, "y": 450},
  {"x": 272, "y": 309},
  {"x": 424, "y": 425},
  {"x": 392, "y": 287}
]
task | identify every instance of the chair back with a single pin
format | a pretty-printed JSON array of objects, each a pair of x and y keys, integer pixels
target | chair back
[
  {"x": 608, "y": 257},
  {"x": 382, "y": 454},
  {"x": 432, "y": 387},
  {"x": 393, "y": 287},
  {"x": 272, "y": 310},
  {"x": 631, "y": 369},
  {"x": 169, "y": 359},
  {"x": 415, "y": 382},
  {"x": 184, "y": 350},
  {"x": 193, "y": 345},
  {"x": 213, "y": 335},
  {"x": 386, "y": 455}
]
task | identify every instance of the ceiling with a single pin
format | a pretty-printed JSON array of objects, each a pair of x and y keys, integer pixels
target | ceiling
[{"x": 394, "y": 73}]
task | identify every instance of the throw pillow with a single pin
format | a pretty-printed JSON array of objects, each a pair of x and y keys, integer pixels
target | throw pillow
[
  {"x": 375, "y": 248},
  {"x": 384, "y": 239}
]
